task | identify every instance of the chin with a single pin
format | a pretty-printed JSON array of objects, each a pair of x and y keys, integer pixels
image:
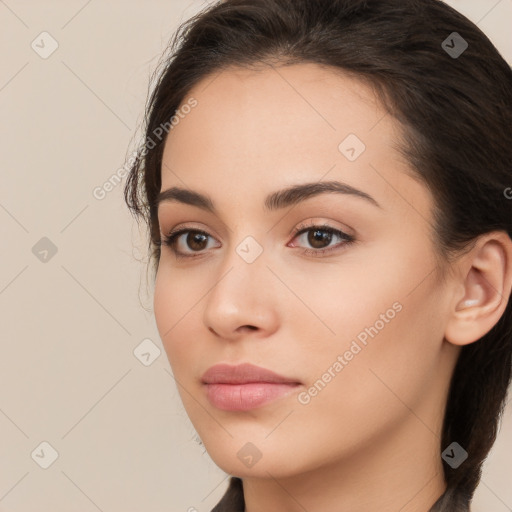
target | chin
[
  {"x": 244, "y": 459},
  {"x": 261, "y": 469}
]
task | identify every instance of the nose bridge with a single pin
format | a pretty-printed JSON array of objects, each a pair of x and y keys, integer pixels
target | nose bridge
[
  {"x": 244, "y": 261},
  {"x": 241, "y": 294},
  {"x": 243, "y": 272}
]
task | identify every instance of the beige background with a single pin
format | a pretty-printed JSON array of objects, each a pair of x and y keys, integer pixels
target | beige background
[{"x": 70, "y": 324}]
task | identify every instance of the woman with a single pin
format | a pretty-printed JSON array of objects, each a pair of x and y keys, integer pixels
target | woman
[{"x": 327, "y": 188}]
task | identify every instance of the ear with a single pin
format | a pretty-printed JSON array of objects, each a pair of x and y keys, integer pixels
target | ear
[{"x": 483, "y": 289}]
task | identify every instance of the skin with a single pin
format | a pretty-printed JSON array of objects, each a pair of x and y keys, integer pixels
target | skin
[{"x": 370, "y": 439}]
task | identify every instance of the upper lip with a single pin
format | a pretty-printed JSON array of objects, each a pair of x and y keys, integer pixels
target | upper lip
[{"x": 242, "y": 374}]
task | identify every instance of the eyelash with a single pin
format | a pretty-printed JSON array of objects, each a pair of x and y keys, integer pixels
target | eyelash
[{"x": 170, "y": 240}]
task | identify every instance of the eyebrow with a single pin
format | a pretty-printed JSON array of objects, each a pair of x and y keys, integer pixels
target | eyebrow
[{"x": 274, "y": 201}]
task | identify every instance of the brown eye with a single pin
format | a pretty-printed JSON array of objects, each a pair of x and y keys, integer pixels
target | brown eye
[
  {"x": 185, "y": 242},
  {"x": 196, "y": 241},
  {"x": 319, "y": 239}
]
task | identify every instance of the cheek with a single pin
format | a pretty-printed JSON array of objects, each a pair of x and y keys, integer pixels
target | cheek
[
  {"x": 174, "y": 310},
  {"x": 355, "y": 292},
  {"x": 399, "y": 355},
  {"x": 385, "y": 382},
  {"x": 164, "y": 303},
  {"x": 381, "y": 314}
]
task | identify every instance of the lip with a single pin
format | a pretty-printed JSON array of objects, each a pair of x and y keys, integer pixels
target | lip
[
  {"x": 243, "y": 374},
  {"x": 245, "y": 386}
]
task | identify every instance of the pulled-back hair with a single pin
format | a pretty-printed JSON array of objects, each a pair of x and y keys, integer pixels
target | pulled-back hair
[{"x": 455, "y": 112}]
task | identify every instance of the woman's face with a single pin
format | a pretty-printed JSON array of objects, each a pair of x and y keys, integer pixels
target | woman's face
[{"x": 355, "y": 316}]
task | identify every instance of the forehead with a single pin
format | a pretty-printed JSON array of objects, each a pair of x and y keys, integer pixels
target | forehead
[
  {"x": 259, "y": 130},
  {"x": 287, "y": 109}
]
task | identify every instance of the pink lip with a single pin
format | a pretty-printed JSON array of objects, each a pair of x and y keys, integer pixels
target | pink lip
[
  {"x": 245, "y": 386},
  {"x": 243, "y": 374}
]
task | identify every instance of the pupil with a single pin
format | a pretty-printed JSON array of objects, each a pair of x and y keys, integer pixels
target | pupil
[
  {"x": 318, "y": 237},
  {"x": 195, "y": 240}
]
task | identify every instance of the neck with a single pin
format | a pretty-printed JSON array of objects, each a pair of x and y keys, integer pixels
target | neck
[{"x": 402, "y": 471}]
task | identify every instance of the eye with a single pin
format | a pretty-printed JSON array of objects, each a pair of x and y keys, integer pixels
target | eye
[
  {"x": 191, "y": 243},
  {"x": 195, "y": 239},
  {"x": 320, "y": 237}
]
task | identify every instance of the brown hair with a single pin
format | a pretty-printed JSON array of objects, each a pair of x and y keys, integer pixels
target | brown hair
[{"x": 456, "y": 115}]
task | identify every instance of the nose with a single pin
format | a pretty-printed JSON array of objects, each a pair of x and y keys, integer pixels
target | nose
[{"x": 243, "y": 300}]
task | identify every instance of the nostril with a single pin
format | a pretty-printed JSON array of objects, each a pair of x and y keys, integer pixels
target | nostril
[{"x": 250, "y": 327}]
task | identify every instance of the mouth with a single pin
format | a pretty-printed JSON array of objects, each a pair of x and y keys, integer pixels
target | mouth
[
  {"x": 245, "y": 387},
  {"x": 244, "y": 397}
]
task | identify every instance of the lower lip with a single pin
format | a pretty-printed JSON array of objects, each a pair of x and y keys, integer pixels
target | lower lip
[{"x": 243, "y": 397}]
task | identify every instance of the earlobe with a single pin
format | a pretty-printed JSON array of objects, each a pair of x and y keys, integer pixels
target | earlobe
[{"x": 486, "y": 279}]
